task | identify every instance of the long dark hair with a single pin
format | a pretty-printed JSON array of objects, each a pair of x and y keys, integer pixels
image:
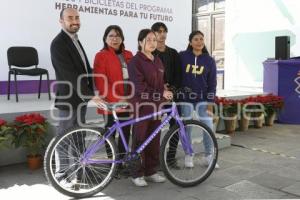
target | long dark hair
[
  {"x": 191, "y": 36},
  {"x": 118, "y": 31},
  {"x": 142, "y": 35}
]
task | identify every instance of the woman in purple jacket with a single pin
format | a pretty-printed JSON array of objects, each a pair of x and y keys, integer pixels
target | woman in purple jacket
[{"x": 146, "y": 72}]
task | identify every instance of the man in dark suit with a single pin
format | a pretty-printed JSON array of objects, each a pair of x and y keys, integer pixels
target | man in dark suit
[{"x": 71, "y": 66}]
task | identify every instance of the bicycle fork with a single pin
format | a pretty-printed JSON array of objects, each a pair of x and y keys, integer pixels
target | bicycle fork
[{"x": 184, "y": 137}]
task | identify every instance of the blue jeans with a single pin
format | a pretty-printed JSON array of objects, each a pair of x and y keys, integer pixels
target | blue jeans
[{"x": 187, "y": 113}]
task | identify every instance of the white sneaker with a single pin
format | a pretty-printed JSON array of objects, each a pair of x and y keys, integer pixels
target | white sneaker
[
  {"x": 156, "y": 178},
  {"x": 66, "y": 183},
  {"x": 139, "y": 181},
  {"x": 188, "y": 161},
  {"x": 207, "y": 159}
]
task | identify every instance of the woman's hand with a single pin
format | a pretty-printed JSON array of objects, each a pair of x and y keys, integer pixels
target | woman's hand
[
  {"x": 168, "y": 95},
  {"x": 166, "y": 86},
  {"x": 209, "y": 110},
  {"x": 100, "y": 103}
]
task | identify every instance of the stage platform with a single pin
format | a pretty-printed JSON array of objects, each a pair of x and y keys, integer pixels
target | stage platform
[{"x": 31, "y": 103}]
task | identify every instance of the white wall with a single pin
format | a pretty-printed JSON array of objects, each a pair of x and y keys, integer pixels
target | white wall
[
  {"x": 250, "y": 30},
  {"x": 35, "y": 23}
]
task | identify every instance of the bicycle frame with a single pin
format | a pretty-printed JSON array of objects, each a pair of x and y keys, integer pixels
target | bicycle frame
[{"x": 118, "y": 126}]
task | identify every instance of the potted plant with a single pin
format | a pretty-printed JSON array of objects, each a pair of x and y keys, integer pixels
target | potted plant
[
  {"x": 272, "y": 105},
  {"x": 228, "y": 112},
  {"x": 245, "y": 114},
  {"x": 5, "y": 134},
  {"x": 256, "y": 107},
  {"x": 31, "y": 130}
]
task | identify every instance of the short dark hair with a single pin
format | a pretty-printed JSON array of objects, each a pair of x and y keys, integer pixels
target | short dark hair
[
  {"x": 142, "y": 35},
  {"x": 61, "y": 14},
  {"x": 191, "y": 36},
  {"x": 156, "y": 26},
  {"x": 118, "y": 30}
]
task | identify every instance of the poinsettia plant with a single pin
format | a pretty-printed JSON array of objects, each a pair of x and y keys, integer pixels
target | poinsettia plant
[
  {"x": 31, "y": 130},
  {"x": 252, "y": 106},
  {"x": 269, "y": 104},
  {"x": 6, "y": 131},
  {"x": 272, "y": 103},
  {"x": 227, "y": 107},
  {"x": 245, "y": 105}
]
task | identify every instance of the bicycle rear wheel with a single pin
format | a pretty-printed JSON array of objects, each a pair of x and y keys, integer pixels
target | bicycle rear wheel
[
  {"x": 71, "y": 176},
  {"x": 189, "y": 170}
]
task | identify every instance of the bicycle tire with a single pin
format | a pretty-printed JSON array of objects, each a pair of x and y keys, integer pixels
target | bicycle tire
[
  {"x": 166, "y": 167},
  {"x": 74, "y": 192}
]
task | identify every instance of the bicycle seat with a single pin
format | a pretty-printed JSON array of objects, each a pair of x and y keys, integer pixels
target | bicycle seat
[{"x": 115, "y": 106}]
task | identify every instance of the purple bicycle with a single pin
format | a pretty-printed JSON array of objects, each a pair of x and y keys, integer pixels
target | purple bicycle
[{"x": 83, "y": 161}]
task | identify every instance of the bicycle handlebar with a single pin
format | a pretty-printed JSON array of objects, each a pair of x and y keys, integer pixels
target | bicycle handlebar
[{"x": 113, "y": 106}]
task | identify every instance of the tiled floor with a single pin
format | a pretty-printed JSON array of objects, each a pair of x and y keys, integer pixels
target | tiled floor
[{"x": 244, "y": 174}]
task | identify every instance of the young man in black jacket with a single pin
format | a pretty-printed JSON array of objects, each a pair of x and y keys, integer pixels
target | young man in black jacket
[{"x": 172, "y": 76}]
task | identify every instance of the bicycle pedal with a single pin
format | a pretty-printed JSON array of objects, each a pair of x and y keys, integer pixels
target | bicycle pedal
[
  {"x": 125, "y": 173},
  {"x": 117, "y": 176},
  {"x": 130, "y": 165}
]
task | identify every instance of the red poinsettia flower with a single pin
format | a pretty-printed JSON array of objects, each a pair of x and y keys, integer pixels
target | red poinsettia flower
[
  {"x": 2, "y": 122},
  {"x": 271, "y": 103},
  {"x": 227, "y": 106},
  {"x": 29, "y": 119}
]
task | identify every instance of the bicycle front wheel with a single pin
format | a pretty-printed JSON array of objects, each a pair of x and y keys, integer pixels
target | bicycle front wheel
[
  {"x": 181, "y": 168},
  {"x": 65, "y": 169}
]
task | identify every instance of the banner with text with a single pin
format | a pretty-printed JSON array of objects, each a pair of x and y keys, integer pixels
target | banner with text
[{"x": 35, "y": 23}]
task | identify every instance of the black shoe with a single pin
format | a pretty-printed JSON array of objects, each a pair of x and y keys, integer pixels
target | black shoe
[
  {"x": 122, "y": 171},
  {"x": 173, "y": 164}
]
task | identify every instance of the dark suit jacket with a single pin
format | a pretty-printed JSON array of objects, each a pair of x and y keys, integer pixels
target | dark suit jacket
[{"x": 68, "y": 66}]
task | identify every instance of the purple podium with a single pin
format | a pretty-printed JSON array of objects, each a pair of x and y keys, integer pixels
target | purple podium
[{"x": 282, "y": 78}]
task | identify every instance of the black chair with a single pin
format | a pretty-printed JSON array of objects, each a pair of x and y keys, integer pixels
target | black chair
[{"x": 23, "y": 59}]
